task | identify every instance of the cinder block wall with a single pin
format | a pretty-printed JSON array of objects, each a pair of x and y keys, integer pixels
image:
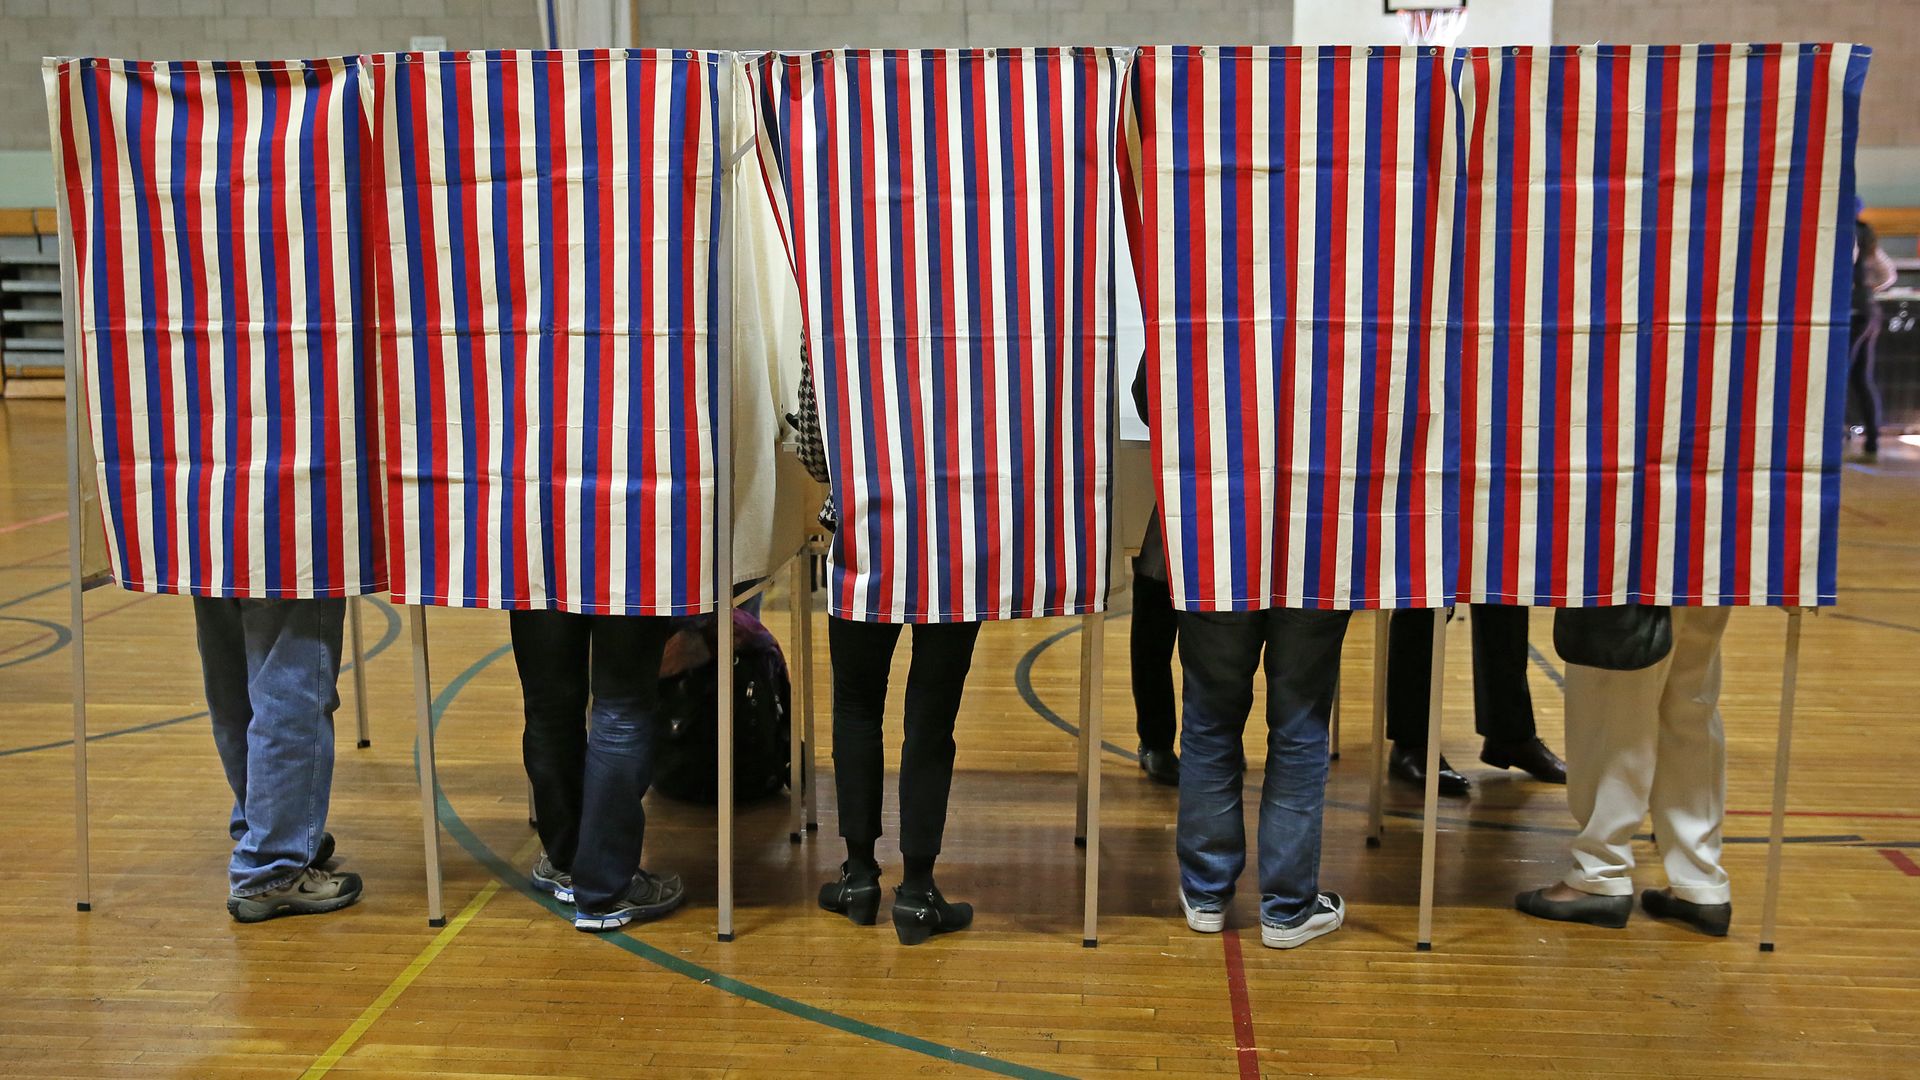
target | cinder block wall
[
  {"x": 225, "y": 30},
  {"x": 819, "y": 24},
  {"x": 1890, "y": 112}
]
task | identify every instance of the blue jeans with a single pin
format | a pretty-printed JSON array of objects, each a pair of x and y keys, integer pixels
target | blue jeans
[
  {"x": 1220, "y": 651},
  {"x": 588, "y": 782},
  {"x": 270, "y": 667}
]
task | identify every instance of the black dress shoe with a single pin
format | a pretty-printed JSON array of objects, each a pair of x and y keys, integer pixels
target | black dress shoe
[
  {"x": 1709, "y": 919},
  {"x": 1607, "y": 911},
  {"x": 921, "y": 913},
  {"x": 1531, "y": 756},
  {"x": 1160, "y": 766},
  {"x": 1409, "y": 764},
  {"x": 856, "y": 895}
]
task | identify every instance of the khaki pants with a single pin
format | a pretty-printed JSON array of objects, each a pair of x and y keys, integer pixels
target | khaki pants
[{"x": 1650, "y": 741}]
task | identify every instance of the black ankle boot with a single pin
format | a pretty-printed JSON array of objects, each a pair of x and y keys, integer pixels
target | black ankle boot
[
  {"x": 919, "y": 913},
  {"x": 856, "y": 895}
]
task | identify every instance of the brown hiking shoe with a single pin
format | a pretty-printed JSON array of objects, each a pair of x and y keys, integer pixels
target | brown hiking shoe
[{"x": 314, "y": 892}]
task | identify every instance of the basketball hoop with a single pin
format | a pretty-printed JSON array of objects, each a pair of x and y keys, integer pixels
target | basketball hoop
[{"x": 1429, "y": 22}]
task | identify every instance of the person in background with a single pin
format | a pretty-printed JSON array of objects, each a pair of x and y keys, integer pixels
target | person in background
[
  {"x": 1502, "y": 703},
  {"x": 1155, "y": 632},
  {"x": 1220, "y": 651},
  {"x": 862, "y": 660},
  {"x": 270, "y": 668},
  {"x": 588, "y": 782},
  {"x": 1640, "y": 741},
  {"x": 1872, "y": 273}
]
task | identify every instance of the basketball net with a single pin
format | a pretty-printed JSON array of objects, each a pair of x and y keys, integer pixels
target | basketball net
[{"x": 1433, "y": 27}]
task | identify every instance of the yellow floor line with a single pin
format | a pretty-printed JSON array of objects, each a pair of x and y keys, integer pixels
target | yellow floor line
[{"x": 324, "y": 1064}]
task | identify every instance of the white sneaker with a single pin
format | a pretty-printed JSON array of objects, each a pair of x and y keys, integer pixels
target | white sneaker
[
  {"x": 1202, "y": 922},
  {"x": 1331, "y": 914}
]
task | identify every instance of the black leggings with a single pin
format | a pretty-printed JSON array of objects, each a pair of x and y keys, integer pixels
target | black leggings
[
  {"x": 1156, "y": 632},
  {"x": 1863, "y": 396},
  {"x": 862, "y": 657}
]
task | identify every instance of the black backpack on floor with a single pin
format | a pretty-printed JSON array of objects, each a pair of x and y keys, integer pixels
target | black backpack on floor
[{"x": 686, "y": 743}]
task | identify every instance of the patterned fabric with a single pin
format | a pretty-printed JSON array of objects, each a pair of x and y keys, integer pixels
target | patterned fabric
[
  {"x": 544, "y": 239},
  {"x": 1289, "y": 215},
  {"x": 1655, "y": 331},
  {"x": 949, "y": 216},
  {"x": 212, "y": 213}
]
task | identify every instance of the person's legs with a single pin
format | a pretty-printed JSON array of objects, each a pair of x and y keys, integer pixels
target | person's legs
[
  {"x": 553, "y": 651},
  {"x": 1219, "y": 652},
  {"x": 1862, "y": 391},
  {"x": 625, "y": 677},
  {"x": 1303, "y": 667},
  {"x": 862, "y": 657},
  {"x": 1409, "y": 675},
  {"x": 942, "y": 655},
  {"x": 1150, "y": 647},
  {"x": 225, "y": 672},
  {"x": 1689, "y": 795},
  {"x": 293, "y": 654},
  {"x": 1612, "y": 721},
  {"x": 1502, "y": 702}
]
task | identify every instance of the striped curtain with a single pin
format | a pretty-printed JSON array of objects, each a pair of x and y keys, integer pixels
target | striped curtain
[
  {"x": 547, "y": 289},
  {"x": 1289, "y": 210},
  {"x": 213, "y": 215},
  {"x": 1655, "y": 322},
  {"x": 949, "y": 215}
]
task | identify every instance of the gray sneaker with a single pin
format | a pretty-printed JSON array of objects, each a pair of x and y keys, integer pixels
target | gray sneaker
[
  {"x": 548, "y": 879},
  {"x": 648, "y": 897},
  {"x": 314, "y": 892}
]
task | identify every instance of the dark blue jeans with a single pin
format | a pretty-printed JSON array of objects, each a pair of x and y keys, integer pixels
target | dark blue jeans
[
  {"x": 270, "y": 667},
  {"x": 588, "y": 782},
  {"x": 1220, "y": 652}
]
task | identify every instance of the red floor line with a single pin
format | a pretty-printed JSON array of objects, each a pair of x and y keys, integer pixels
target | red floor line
[
  {"x": 1901, "y": 861},
  {"x": 18, "y": 525},
  {"x": 1243, "y": 1044}
]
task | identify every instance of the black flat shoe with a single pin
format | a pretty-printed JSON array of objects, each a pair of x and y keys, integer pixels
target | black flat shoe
[
  {"x": 1607, "y": 911},
  {"x": 1709, "y": 919},
  {"x": 921, "y": 913},
  {"x": 1160, "y": 766},
  {"x": 1408, "y": 764},
  {"x": 856, "y": 895},
  {"x": 1530, "y": 756}
]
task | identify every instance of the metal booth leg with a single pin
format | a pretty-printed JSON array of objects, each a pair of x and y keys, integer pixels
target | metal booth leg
[
  {"x": 1782, "y": 752},
  {"x": 1429, "y": 823},
  {"x": 1089, "y": 748},
  {"x": 1333, "y": 724},
  {"x": 1093, "y": 660},
  {"x": 359, "y": 670},
  {"x": 424, "y": 759},
  {"x": 801, "y": 675}
]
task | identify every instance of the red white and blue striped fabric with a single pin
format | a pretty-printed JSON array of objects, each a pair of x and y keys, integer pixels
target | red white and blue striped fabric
[
  {"x": 1655, "y": 324},
  {"x": 212, "y": 214},
  {"x": 548, "y": 294},
  {"x": 1289, "y": 215},
  {"x": 950, "y": 218}
]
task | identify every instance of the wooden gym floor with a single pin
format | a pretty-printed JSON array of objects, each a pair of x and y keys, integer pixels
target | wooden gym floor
[{"x": 156, "y": 981}]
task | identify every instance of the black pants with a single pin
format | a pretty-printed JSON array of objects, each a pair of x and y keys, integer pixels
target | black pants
[
  {"x": 1863, "y": 397},
  {"x": 862, "y": 657},
  {"x": 587, "y": 787},
  {"x": 1502, "y": 704},
  {"x": 1155, "y": 634}
]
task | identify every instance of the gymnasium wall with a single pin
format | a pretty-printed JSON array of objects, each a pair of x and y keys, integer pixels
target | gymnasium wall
[
  {"x": 30, "y": 29},
  {"x": 1889, "y": 155}
]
